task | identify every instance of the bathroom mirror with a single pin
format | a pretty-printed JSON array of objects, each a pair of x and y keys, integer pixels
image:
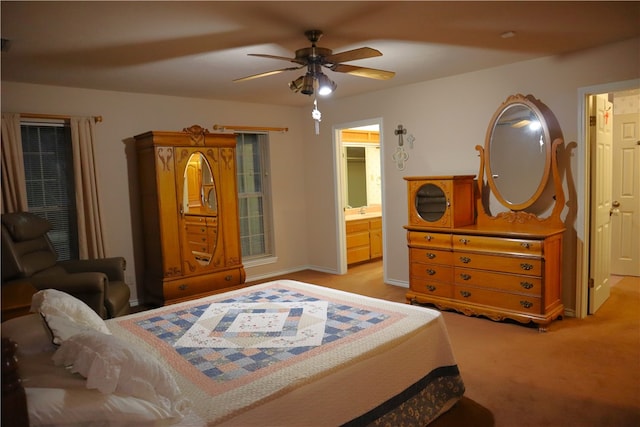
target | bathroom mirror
[{"x": 363, "y": 179}]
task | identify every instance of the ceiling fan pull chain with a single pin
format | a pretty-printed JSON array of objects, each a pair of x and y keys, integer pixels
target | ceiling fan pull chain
[{"x": 316, "y": 115}]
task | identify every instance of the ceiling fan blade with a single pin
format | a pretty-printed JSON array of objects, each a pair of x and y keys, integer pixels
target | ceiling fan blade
[
  {"x": 284, "y": 58},
  {"x": 265, "y": 74},
  {"x": 352, "y": 55},
  {"x": 371, "y": 73}
]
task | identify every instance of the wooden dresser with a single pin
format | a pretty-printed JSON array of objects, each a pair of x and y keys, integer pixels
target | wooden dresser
[
  {"x": 503, "y": 266},
  {"x": 497, "y": 274},
  {"x": 189, "y": 214}
]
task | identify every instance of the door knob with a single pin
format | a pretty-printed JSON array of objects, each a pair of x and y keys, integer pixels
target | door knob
[{"x": 615, "y": 208}]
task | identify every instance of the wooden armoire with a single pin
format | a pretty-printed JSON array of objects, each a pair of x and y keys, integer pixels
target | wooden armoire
[{"x": 189, "y": 206}]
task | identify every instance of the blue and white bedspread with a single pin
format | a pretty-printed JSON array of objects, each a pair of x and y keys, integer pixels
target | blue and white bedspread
[{"x": 287, "y": 353}]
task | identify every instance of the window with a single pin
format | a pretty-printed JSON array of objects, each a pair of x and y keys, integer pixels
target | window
[
  {"x": 48, "y": 164},
  {"x": 254, "y": 198}
]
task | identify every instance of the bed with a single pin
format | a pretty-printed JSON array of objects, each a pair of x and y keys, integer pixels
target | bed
[{"x": 282, "y": 353}]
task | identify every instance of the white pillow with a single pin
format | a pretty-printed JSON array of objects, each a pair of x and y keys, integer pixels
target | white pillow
[
  {"x": 111, "y": 365},
  {"x": 61, "y": 328},
  {"x": 54, "y": 302}
]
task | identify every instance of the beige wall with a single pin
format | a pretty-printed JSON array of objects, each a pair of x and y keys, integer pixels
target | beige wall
[{"x": 447, "y": 117}]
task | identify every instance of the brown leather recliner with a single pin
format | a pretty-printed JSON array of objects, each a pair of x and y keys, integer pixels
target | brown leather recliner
[{"x": 29, "y": 261}]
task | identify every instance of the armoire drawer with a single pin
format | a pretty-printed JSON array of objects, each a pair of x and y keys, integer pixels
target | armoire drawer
[
  {"x": 431, "y": 287},
  {"x": 429, "y": 240},
  {"x": 507, "y": 301},
  {"x": 187, "y": 287},
  {"x": 506, "y": 282},
  {"x": 497, "y": 244},
  {"x": 433, "y": 256},
  {"x": 517, "y": 265},
  {"x": 431, "y": 272}
]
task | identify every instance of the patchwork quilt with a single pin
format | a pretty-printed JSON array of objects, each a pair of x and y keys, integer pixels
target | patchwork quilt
[{"x": 291, "y": 353}]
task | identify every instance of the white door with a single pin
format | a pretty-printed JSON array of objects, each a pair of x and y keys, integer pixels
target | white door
[
  {"x": 601, "y": 186},
  {"x": 625, "y": 221}
]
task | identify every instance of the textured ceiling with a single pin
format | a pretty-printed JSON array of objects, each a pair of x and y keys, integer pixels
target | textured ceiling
[{"x": 196, "y": 49}]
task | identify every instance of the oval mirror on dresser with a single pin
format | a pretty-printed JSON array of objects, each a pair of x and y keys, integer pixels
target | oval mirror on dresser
[{"x": 520, "y": 158}]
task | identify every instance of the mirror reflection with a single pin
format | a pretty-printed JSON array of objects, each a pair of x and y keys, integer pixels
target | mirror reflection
[
  {"x": 200, "y": 208},
  {"x": 518, "y": 154},
  {"x": 362, "y": 174},
  {"x": 199, "y": 189}
]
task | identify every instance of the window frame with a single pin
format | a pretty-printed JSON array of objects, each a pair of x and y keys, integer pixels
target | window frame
[{"x": 269, "y": 255}]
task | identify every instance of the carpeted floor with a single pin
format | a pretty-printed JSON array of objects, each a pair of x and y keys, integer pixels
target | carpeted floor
[{"x": 581, "y": 373}]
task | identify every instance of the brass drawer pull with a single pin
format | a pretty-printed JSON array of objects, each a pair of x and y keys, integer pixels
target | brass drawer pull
[
  {"x": 228, "y": 278},
  {"x": 183, "y": 287},
  {"x": 465, "y": 276},
  {"x": 525, "y": 245},
  {"x": 431, "y": 271},
  {"x": 526, "y": 267},
  {"x": 465, "y": 241},
  {"x": 465, "y": 294},
  {"x": 431, "y": 288},
  {"x": 431, "y": 255},
  {"x": 526, "y": 304},
  {"x": 465, "y": 259},
  {"x": 526, "y": 285},
  {"x": 428, "y": 238}
]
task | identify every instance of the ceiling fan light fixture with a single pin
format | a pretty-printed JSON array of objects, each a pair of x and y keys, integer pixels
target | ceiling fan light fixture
[
  {"x": 325, "y": 85},
  {"x": 296, "y": 85},
  {"x": 307, "y": 84}
]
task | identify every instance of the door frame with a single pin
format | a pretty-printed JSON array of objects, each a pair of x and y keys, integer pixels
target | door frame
[
  {"x": 584, "y": 174},
  {"x": 339, "y": 182}
]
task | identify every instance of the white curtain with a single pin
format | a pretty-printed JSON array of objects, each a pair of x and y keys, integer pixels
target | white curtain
[
  {"x": 91, "y": 234},
  {"x": 14, "y": 187}
]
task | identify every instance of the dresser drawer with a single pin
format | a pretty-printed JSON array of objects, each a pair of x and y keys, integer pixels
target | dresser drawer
[
  {"x": 517, "y": 265},
  {"x": 497, "y": 244},
  {"x": 429, "y": 240},
  {"x": 522, "y": 303},
  {"x": 431, "y": 271},
  {"x": 506, "y": 282},
  {"x": 432, "y": 287},
  {"x": 189, "y": 287},
  {"x": 433, "y": 256}
]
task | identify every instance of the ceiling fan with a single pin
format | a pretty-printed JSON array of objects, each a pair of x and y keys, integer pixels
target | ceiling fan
[{"x": 314, "y": 58}]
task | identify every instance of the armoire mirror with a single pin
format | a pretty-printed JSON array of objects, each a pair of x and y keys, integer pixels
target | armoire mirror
[
  {"x": 200, "y": 207},
  {"x": 520, "y": 157}
]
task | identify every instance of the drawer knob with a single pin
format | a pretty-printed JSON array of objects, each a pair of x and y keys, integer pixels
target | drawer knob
[
  {"x": 465, "y": 276},
  {"x": 526, "y": 266},
  {"x": 183, "y": 287},
  {"x": 431, "y": 271},
  {"x": 526, "y": 304},
  {"x": 465, "y": 259},
  {"x": 428, "y": 238},
  {"x": 431, "y": 288},
  {"x": 228, "y": 278},
  {"x": 465, "y": 241},
  {"x": 465, "y": 294},
  {"x": 526, "y": 285},
  {"x": 525, "y": 245},
  {"x": 431, "y": 255}
]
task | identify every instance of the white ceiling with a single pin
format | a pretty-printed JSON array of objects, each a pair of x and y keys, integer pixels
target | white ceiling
[{"x": 196, "y": 49}]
